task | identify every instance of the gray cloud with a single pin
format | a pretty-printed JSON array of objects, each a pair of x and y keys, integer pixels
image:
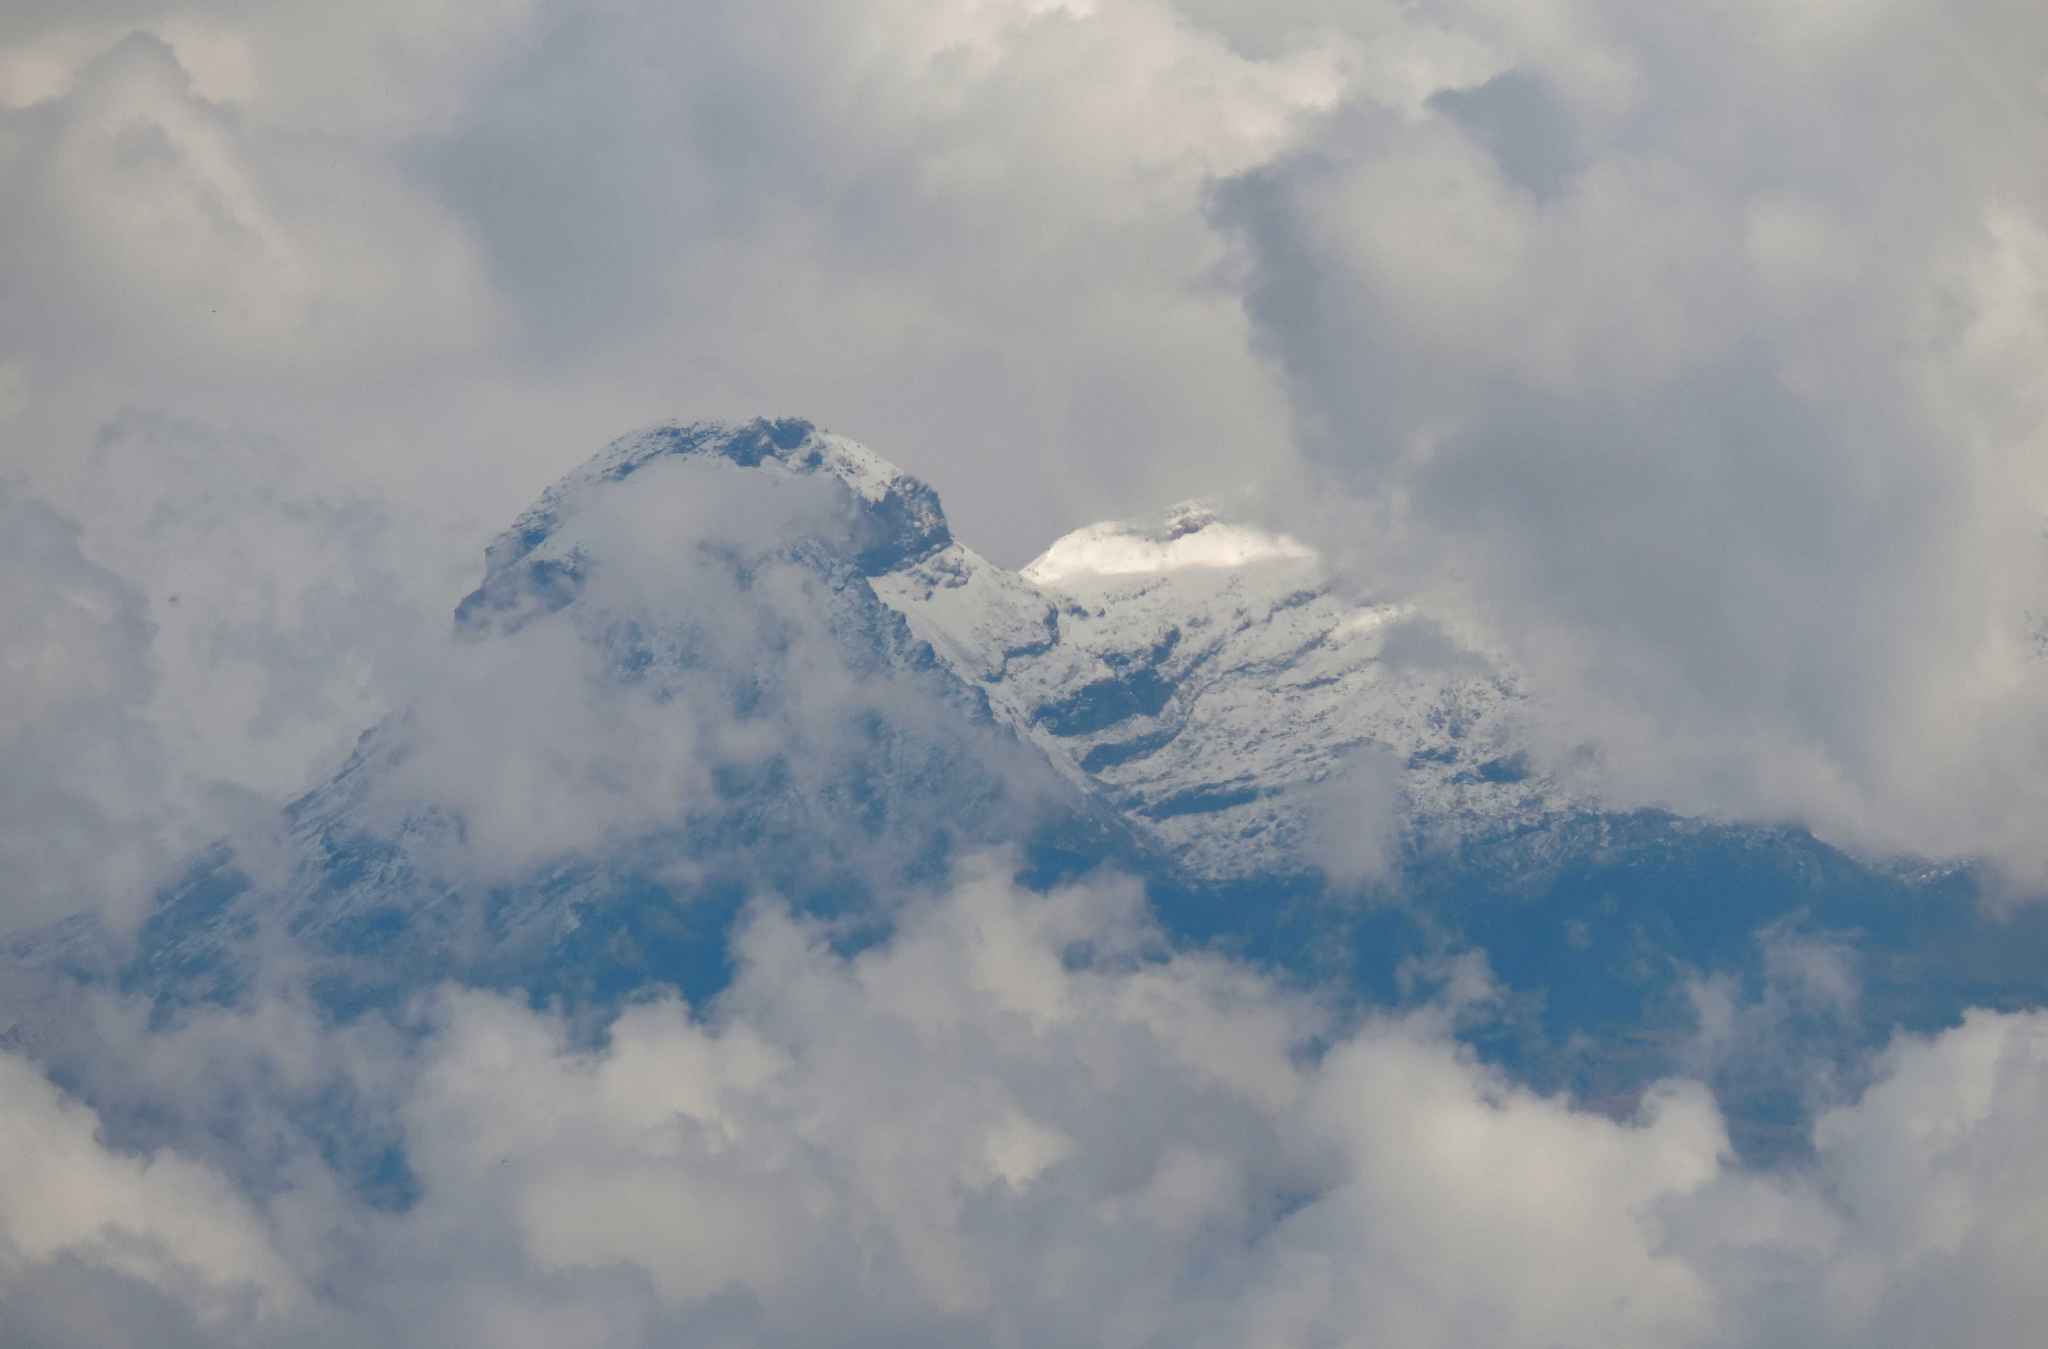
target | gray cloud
[
  {"x": 1686, "y": 352},
  {"x": 1689, "y": 354},
  {"x": 443, "y": 243},
  {"x": 967, "y": 1134},
  {"x": 82, "y": 789}
]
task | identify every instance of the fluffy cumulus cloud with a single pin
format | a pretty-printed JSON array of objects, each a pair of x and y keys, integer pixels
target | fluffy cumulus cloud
[
  {"x": 1018, "y": 1120},
  {"x": 444, "y": 242},
  {"x": 1693, "y": 347},
  {"x": 1687, "y": 355},
  {"x": 1692, "y": 352},
  {"x": 167, "y": 1236}
]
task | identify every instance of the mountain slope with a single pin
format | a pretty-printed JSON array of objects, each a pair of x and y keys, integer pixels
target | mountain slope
[
  {"x": 1208, "y": 680},
  {"x": 726, "y": 660},
  {"x": 674, "y": 688}
]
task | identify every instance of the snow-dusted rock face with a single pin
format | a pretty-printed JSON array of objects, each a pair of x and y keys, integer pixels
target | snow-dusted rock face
[
  {"x": 1199, "y": 675},
  {"x": 676, "y": 688},
  {"x": 727, "y": 661},
  {"x": 720, "y": 659},
  {"x": 1207, "y": 678},
  {"x": 895, "y": 521}
]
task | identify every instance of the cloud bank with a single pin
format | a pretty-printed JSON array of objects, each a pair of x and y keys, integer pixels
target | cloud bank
[
  {"x": 1688, "y": 354},
  {"x": 1019, "y": 1120},
  {"x": 1692, "y": 349}
]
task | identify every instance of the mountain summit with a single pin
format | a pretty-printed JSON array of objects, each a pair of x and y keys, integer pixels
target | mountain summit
[
  {"x": 1197, "y": 677},
  {"x": 721, "y": 661},
  {"x": 896, "y": 519}
]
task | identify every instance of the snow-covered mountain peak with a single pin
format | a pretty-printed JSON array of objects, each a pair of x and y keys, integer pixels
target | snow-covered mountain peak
[
  {"x": 1191, "y": 535},
  {"x": 725, "y": 668},
  {"x": 1197, "y": 674},
  {"x": 782, "y": 444},
  {"x": 896, "y": 520},
  {"x": 1242, "y": 713}
]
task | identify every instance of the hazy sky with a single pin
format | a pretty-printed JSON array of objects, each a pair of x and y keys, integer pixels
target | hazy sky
[{"x": 1694, "y": 355}]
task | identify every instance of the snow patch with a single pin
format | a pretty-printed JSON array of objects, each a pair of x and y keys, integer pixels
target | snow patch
[{"x": 1192, "y": 538}]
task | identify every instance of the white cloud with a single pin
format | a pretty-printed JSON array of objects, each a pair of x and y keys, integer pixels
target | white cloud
[
  {"x": 85, "y": 825},
  {"x": 1190, "y": 539},
  {"x": 1691, "y": 352},
  {"x": 1016, "y": 1120},
  {"x": 290, "y": 610},
  {"x": 1703, "y": 388},
  {"x": 973, "y": 235},
  {"x": 208, "y": 643},
  {"x": 161, "y": 1220}
]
